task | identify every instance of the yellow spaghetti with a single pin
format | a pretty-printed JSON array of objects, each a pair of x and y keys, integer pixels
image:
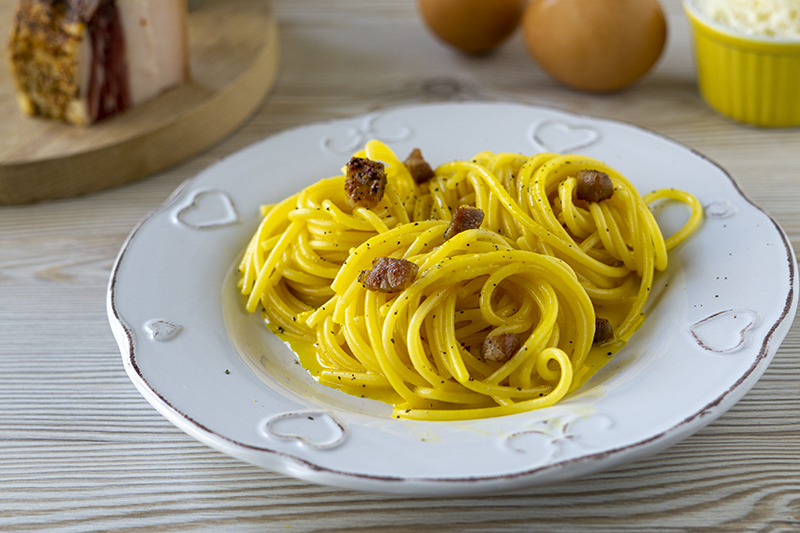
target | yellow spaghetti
[{"x": 542, "y": 267}]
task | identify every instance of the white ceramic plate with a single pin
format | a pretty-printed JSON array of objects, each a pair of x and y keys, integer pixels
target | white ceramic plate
[{"x": 715, "y": 319}]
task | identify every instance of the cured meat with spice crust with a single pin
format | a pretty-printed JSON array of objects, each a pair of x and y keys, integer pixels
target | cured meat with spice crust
[{"x": 84, "y": 60}]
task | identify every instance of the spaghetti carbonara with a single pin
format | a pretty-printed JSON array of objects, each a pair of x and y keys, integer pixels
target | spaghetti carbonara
[{"x": 487, "y": 287}]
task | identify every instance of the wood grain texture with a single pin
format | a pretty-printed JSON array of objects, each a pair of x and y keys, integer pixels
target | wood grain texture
[
  {"x": 81, "y": 450},
  {"x": 234, "y": 50}
]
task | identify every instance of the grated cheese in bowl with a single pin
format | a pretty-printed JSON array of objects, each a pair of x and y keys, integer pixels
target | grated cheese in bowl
[{"x": 767, "y": 18}]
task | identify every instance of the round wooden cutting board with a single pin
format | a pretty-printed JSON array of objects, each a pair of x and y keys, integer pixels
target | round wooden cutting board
[{"x": 234, "y": 63}]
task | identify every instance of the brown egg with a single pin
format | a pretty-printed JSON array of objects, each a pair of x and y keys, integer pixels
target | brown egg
[
  {"x": 473, "y": 26},
  {"x": 595, "y": 45}
]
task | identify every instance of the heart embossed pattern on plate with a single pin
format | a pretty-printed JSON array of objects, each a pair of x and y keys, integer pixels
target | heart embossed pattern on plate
[
  {"x": 727, "y": 331},
  {"x": 317, "y": 429},
  {"x": 208, "y": 209},
  {"x": 563, "y": 138}
]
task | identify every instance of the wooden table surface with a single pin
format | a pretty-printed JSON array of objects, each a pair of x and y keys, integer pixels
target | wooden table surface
[{"x": 81, "y": 450}]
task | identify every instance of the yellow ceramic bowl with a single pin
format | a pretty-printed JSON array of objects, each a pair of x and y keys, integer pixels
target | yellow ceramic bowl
[{"x": 751, "y": 79}]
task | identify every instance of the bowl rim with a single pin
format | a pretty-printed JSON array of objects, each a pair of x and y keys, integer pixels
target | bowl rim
[{"x": 732, "y": 36}]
